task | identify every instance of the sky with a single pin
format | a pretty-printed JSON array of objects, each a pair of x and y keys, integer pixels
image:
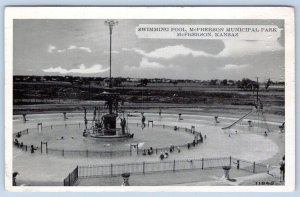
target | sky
[{"x": 81, "y": 48}]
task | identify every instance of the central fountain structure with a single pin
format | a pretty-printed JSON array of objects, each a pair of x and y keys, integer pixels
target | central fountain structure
[{"x": 106, "y": 126}]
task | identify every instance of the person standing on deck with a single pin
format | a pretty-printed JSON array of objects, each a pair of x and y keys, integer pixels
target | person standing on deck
[
  {"x": 123, "y": 124},
  {"x": 282, "y": 169},
  {"x": 143, "y": 121},
  {"x": 159, "y": 113}
]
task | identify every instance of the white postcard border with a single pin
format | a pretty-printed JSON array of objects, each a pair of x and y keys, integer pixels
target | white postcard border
[{"x": 285, "y": 13}]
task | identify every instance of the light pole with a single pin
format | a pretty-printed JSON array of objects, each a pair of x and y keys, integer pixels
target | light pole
[{"x": 110, "y": 24}]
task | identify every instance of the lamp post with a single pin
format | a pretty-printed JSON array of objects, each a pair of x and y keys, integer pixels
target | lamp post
[{"x": 110, "y": 24}]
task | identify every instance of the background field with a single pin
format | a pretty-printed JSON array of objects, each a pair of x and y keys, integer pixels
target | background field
[{"x": 59, "y": 96}]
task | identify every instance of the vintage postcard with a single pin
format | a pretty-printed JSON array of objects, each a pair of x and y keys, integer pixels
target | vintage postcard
[{"x": 176, "y": 98}]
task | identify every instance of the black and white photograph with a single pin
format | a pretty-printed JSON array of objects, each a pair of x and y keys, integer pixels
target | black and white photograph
[{"x": 169, "y": 101}]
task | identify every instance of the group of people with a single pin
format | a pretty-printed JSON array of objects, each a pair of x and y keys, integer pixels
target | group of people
[
  {"x": 16, "y": 141},
  {"x": 18, "y": 144},
  {"x": 236, "y": 132},
  {"x": 18, "y": 135},
  {"x": 172, "y": 148},
  {"x": 21, "y": 145},
  {"x": 149, "y": 151},
  {"x": 62, "y": 137},
  {"x": 164, "y": 155}
]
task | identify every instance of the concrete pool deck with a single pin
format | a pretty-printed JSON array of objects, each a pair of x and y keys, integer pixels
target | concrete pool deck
[
  {"x": 40, "y": 169},
  {"x": 197, "y": 177}
]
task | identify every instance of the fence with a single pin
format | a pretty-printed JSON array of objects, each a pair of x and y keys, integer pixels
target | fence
[
  {"x": 71, "y": 178},
  {"x": 18, "y": 144},
  {"x": 249, "y": 166},
  {"x": 88, "y": 153},
  {"x": 23, "y": 132},
  {"x": 93, "y": 171},
  {"x": 117, "y": 153},
  {"x": 174, "y": 165}
]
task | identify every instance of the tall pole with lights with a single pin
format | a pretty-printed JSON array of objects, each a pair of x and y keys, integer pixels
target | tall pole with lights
[
  {"x": 111, "y": 24},
  {"x": 257, "y": 89}
]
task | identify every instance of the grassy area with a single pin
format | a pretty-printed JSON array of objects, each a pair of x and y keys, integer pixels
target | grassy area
[
  {"x": 39, "y": 93},
  {"x": 37, "y": 97}
]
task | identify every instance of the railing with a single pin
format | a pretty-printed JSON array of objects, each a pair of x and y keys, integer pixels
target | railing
[
  {"x": 71, "y": 179},
  {"x": 172, "y": 165},
  {"x": 18, "y": 144},
  {"x": 118, "y": 153},
  {"x": 249, "y": 166},
  {"x": 23, "y": 132},
  {"x": 88, "y": 153},
  {"x": 150, "y": 167}
]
